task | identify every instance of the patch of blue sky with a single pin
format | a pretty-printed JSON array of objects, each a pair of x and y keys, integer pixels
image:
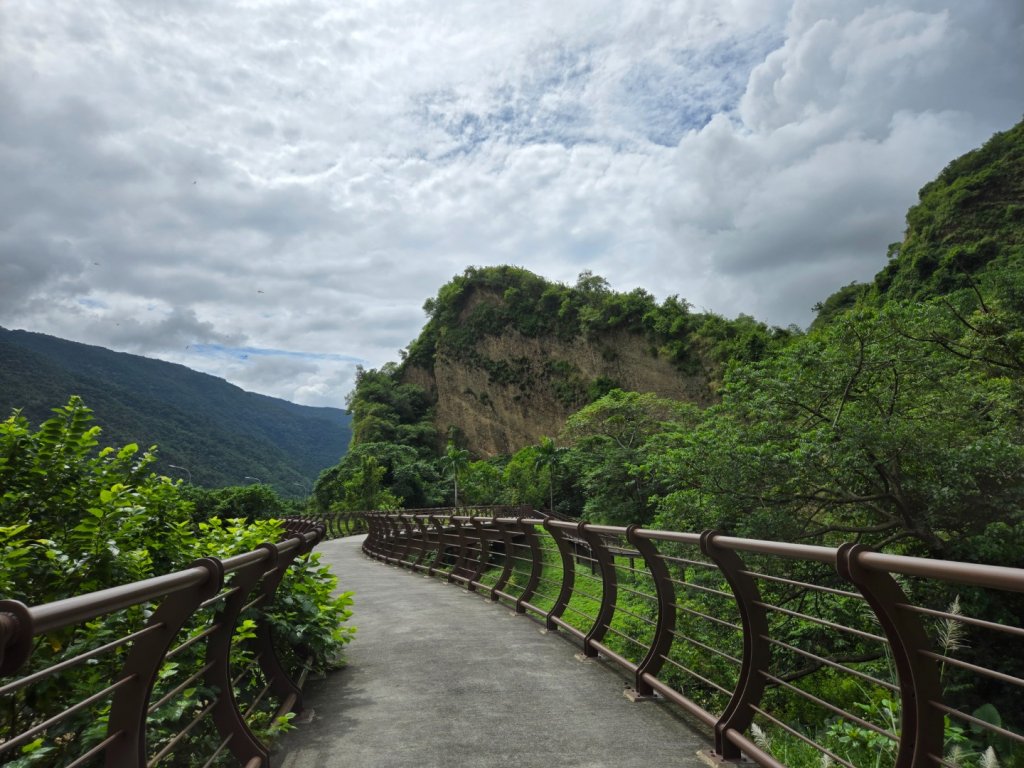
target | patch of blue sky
[
  {"x": 544, "y": 107},
  {"x": 666, "y": 101},
  {"x": 244, "y": 353},
  {"x": 93, "y": 303}
]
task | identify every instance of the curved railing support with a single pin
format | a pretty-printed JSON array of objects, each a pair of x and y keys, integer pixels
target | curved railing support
[
  {"x": 536, "y": 563},
  {"x": 739, "y": 712},
  {"x": 661, "y": 643},
  {"x": 439, "y": 546},
  {"x": 568, "y": 573},
  {"x": 922, "y": 733},
  {"x": 227, "y": 717},
  {"x": 609, "y": 590},
  {"x": 130, "y": 705},
  {"x": 281, "y": 684}
]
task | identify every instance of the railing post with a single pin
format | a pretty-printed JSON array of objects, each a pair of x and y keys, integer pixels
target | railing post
[
  {"x": 424, "y": 540},
  {"x": 439, "y": 551},
  {"x": 921, "y": 727},
  {"x": 226, "y": 715},
  {"x": 568, "y": 574},
  {"x": 460, "y": 559},
  {"x": 402, "y": 553},
  {"x": 129, "y": 707},
  {"x": 609, "y": 589},
  {"x": 484, "y": 551},
  {"x": 392, "y": 538},
  {"x": 280, "y": 683},
  {"x": 372, "y": 543},
  {"x": 506, "y": 566},
  {"x": 661, "y": 643},
  {"x": 16, "y": 635},
  {"x": 536, "y": 563},
  {"x": 739, "y": 713}
]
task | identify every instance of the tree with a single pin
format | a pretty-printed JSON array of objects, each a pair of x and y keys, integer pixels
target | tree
[
  {"x": 482, "y": 483},
  {"x": 855, "y": 431},
  {"x": 455, "y": 461},
  {"x": 547, "y": 458},
  {"x": 386, "y": 473},
  {"x": 608, "y": 439},
  {"x": 78, "y": 518}
]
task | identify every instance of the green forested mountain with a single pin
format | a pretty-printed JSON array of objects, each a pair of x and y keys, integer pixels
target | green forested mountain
[
  {"x": 967, "y": 232},
  {"x": 220, "y": 432}
]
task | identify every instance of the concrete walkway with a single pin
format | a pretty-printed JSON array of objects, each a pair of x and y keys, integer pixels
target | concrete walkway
[{"x": 438, "y": 676}]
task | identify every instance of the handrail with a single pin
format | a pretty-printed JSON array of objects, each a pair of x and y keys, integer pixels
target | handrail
[
  {"x": 175, "y": 599},
  {"x": 727, "y": 628}
]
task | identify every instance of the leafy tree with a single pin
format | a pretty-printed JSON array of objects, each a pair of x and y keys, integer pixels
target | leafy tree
[
  {"x": 455, "y": 461},
  {"x": 482, "y": 483},
  {"x": 608, "y": 439},
  {"x": 248, "y": 502},
  {"x": 398, "y": 474},
  {"x": 79, "y": 518},
  {"x": 523, "y": 483},
  {"x": 92, "y": 519},
  {"x": 386, "y": 410},
  {"x": 546, "y": 459},
  {"x": 855, "y": 431}
]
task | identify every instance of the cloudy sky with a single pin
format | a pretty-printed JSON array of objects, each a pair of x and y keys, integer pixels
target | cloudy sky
[{"x": 268, "y": 191}]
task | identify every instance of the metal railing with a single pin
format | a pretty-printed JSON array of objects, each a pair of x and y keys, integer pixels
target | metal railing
[
  {"x": 173, "y": 665},
  {"x": 783, "y": 651}
]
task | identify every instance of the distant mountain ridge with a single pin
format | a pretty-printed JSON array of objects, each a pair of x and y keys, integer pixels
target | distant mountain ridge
[{"x": 222, "y": 434}]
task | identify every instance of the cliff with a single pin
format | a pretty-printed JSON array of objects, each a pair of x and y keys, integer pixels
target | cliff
[{"x": 506, "y": 356}]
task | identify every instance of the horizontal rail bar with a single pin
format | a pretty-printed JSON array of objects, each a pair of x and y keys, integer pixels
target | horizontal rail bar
[{"x": 76, "y": 610}]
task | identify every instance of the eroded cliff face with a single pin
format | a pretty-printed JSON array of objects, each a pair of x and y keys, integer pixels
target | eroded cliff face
[{"x": 512, "y": 390}]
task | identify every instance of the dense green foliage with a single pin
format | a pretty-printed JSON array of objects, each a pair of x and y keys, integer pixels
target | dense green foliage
[
  {"x": 396, "y": 454},
  {"x": 219, "y": 432},
  {"x": 75, "y": 518},
  {"x": 968, "y": 224},
  {"x": 490, "y": 301}
]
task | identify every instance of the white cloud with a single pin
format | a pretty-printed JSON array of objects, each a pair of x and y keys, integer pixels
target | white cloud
[{"x": 300, "y": 177}]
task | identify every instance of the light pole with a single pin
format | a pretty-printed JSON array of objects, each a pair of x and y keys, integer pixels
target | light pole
[
  {"x": 183, "y": 469},
  {"x": 250, "y": 477}
]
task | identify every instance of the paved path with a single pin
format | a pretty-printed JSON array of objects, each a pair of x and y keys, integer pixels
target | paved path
[{"x": 438, "y": 676}]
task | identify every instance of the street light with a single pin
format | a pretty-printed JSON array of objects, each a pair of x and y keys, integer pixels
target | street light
[
  {"x": 183, "y": 469},
  {"x": 250, "y": 477}
]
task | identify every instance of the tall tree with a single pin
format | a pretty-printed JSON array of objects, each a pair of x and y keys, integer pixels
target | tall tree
[
  {"x": 455, "y": 461},
  {"x": 547, "y": 458}
]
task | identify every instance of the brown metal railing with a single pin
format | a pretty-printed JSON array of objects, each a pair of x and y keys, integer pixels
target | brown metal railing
[
  {"x": 339, "y": 524},
  {"x": 188, "y": 616},
  {"x": 745, "y": 635}
]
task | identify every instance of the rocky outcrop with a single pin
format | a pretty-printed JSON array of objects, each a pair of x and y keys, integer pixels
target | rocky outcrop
[{"x": 511, "y": 390}]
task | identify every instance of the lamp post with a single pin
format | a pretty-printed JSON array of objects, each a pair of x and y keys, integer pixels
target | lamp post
[
  {"x": 183, "y": 469},
  {"x": 250, "y": 477}
]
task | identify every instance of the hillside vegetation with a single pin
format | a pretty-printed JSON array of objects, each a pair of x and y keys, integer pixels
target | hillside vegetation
[
  {"x": 221, "y": 433},
  {"x": 967, "y": 230},
  {"x": 507, "y": 356}
]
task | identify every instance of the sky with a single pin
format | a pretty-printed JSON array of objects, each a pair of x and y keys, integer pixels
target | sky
[{"x": 269, "y": 191}]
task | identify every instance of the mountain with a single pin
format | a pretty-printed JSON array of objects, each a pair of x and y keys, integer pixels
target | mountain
[
  {"x": 222, "y": 434},
  {"x": 506, "y": 356},
  {"x": 966, "y": 231}
]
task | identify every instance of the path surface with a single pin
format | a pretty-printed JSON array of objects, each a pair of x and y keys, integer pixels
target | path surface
[{"x": 438, "y": 676}]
